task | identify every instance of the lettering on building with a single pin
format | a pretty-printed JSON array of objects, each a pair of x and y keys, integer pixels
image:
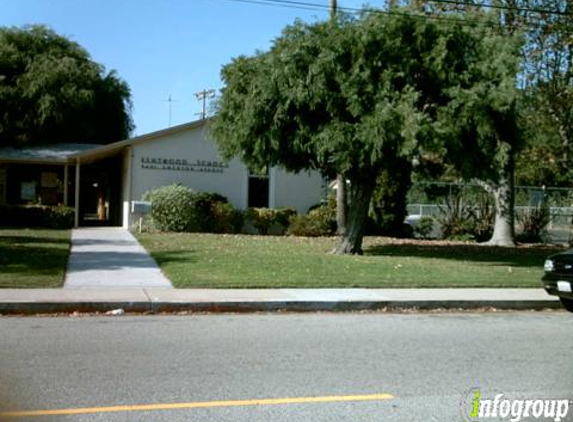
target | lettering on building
[{"x": 181, "y": 164}]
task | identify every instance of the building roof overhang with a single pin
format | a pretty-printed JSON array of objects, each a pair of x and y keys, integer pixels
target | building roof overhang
[
  {"x": 67, "y": 153},
  {"x": 56, "y": 154}
]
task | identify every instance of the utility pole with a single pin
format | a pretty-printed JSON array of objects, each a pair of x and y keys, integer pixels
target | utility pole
[
  {"x": 203, "y": 96},
  {"x": 341, "y": 201}
]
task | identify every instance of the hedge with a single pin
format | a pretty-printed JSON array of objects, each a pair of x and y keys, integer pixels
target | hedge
[{"x": 54, "y": 217}]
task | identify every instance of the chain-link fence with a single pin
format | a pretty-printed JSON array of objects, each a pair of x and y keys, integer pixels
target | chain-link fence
[{"x": 433, "y": 198}]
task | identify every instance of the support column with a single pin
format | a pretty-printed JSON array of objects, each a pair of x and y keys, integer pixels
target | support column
[
  {"x": 272, "y": 187},
  {"x": 127, "y": 194},
  {"x": 66, "y": 181},
  {"x": 77, "y": 196}
]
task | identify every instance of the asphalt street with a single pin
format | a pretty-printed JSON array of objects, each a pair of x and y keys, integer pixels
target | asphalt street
[{"x": 402, "y": 367}]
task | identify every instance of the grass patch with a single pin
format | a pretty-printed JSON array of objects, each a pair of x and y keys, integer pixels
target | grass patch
[
  {"x": 239, "y": 261},
  {"x": 33, "y": 258}
]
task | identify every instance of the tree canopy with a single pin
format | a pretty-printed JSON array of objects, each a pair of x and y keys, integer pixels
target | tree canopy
[
  {"x": 51, "y": 91},
  {"x": 547, "y": 80},
  {"x": 349, "y": 98}
]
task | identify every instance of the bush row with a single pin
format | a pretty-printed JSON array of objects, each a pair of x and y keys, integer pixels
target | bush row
[
  {"x": 53, "y": 217},
  {"x": 179, "y": 209}
]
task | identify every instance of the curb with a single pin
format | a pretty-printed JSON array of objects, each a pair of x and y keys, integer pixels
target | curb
[
  {"x": 152, "y": 307},
  {"x": 32, "y": 308}
]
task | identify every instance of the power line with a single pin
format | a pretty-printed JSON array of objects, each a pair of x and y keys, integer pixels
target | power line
[
  {"x": 462, "y": 3},
  {"x": 304, "y": 5},
  {"x": 287, "y": 6},
  {"x": 508, "y": 8},
  {"x": 356, "y": 11}
]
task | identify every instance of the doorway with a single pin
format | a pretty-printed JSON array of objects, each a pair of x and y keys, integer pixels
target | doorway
[{"x": 100, "y": 186}]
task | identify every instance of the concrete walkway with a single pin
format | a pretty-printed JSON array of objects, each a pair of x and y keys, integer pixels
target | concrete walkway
[{"x": 110, "y": 258}]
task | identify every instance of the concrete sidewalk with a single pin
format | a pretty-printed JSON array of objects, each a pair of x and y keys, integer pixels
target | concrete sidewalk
[
  {"x": 108, "y": 269},
  {"x": 110, "y": 258},
  {"x": 30, "y": 301}
]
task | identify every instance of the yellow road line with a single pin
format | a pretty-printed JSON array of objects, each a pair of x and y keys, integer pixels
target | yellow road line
[{"x": 197, "y": 405}]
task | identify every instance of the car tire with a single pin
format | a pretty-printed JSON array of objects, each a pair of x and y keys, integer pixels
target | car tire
[{"x": 567, "y": 303}]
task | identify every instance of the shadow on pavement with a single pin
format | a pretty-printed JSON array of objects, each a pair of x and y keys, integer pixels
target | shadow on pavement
[{"x": 94, "y": 261}]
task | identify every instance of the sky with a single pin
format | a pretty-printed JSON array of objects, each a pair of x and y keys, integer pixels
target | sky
[{"x": 164, "y": 48}]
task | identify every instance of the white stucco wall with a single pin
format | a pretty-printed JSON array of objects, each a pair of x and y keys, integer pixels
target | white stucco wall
[
  {"x": 191, "y": 158},
  {"x": 300, "y": 191},
  {"x": 200, "y": 166}
]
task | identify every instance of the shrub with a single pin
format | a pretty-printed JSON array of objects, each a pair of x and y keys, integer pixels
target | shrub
[
  {"x": 261, "y": 218},
  {"x": 482, "y": 215},
  {"x": 264, "y": 218},
  {"x": 172, "y": 208},
  {"x": 283, "y": 216},
  {"x": 226, "y": 218},
  {"x": 59, "y": 217},
  {"x": 424, "y": 227},
  {"x": 326, "y": 212},
  {"x": 306, "y": 225},
  {"x": 204, "y": 209},
  {"x": 320, "y": 221},
  {"x": 179, "y": 209},
  {"x": 465, "y": 219},
  {"x": 454, "y": 218},
  {"x": 534, "y": 222}
]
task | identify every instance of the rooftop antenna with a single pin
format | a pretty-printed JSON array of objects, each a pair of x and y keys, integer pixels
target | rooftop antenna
[
  {"x": 170, "y": 101},
  {"x": 203, "y": 96}
]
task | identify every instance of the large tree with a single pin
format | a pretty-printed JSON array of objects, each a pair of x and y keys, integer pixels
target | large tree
[
  {"x": 548, "y": 87},
  {"x": 51, "y": 91},
  {"x": 351, "y": 97}
]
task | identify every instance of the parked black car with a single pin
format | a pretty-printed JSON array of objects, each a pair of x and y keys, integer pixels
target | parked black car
[{"x": 558, "y": 278}]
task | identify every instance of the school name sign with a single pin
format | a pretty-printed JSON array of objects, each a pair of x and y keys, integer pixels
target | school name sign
[{"x": 181, "y": 164}]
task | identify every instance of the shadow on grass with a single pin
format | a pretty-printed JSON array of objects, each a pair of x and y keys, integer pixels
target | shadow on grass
[
  {"x": 517, "y": 257},
  {"x": 32, "y": 266},
  {"x": 24, "y": 240},
  {"x": 33, "y": 257},
  {"x": 168, "y": 257}
]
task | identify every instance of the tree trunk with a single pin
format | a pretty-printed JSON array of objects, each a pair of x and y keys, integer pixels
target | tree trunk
[
  {"x": 360, "y": 196},
  {"x": 503, "y": 229},
  {"x": 504, "y": 198},
  {"x": 341, "y": 204}
]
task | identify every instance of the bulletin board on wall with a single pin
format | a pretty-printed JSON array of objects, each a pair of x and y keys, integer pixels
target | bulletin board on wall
[
  {"x": 28, "y": 191},
  {"x": 49, "y": 188}
]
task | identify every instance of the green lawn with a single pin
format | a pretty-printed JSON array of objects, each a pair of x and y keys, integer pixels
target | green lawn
[
  {"x": 33, "y": 258},
  {"x": 239, "y": 261}
]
